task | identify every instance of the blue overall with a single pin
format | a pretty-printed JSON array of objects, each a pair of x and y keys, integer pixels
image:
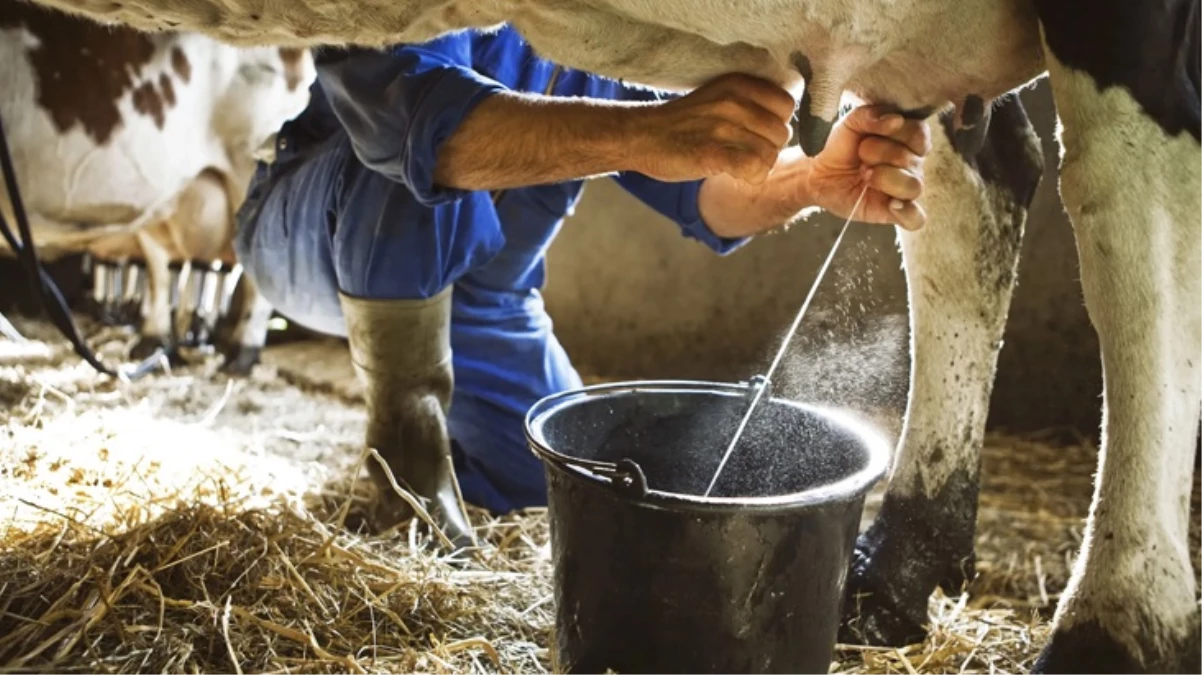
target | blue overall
[{"x": 350, "y": 205}]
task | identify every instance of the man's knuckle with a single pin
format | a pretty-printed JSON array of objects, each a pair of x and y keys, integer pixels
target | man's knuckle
[
  {"x": 873, "y": 151},
  {"x": 722, "y": 129},
  {"x": 900, "y": 155},
  {"x": 720, "y": 108}
]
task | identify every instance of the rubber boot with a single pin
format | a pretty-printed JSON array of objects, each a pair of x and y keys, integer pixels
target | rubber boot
[{"x": 401, "y": 350}]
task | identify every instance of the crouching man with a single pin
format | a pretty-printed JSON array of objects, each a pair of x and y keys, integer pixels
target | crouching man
[{"x": 410, "y": 208}]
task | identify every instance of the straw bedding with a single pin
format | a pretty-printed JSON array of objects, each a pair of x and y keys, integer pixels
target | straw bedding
[{"x": 192, "y": 523}]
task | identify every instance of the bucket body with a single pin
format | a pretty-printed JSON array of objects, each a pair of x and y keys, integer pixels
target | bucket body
[{"x": 652, "y": 577}]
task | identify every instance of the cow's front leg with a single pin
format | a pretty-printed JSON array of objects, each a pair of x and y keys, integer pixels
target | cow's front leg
[
  {"x": 960, "y": 269},
  {"x": 1132, "y": 192}
]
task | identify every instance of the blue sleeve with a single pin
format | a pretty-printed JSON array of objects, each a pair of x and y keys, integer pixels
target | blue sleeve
[
  {"x": 400, "y": 105},
  {"x": 678, "y": 202}
]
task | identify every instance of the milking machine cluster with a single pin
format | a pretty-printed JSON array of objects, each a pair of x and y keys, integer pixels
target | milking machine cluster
[{"x": 200, "y": 294}]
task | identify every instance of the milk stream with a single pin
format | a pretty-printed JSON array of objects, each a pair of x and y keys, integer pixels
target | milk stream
[{"x": 780, "y": 353}]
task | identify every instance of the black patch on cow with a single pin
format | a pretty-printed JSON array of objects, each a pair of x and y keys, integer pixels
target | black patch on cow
[
  {"x": 1009, "y": 155},
  {"x": 1087, "y": 648},
  {"x": 180, "y": 64},
  {"x": 82, "y": 68},
  {"x": 147, "y": 101},
  {"x": 969, "y": 136},
  {"x": 292, "y": 59},
  {"x": 167, "y": 90},
  {"x": 914, "y": 545},
  {"x": 1150, "y": 47},
  {"x": 969, "y": 140},
  {"x": 972, "y": 111}
]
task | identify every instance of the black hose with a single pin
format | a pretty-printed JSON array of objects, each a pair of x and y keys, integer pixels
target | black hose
[{"x": 47, "y": 291}]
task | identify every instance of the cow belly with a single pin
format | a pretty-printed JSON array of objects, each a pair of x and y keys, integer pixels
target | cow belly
[
  {"x": 72, "y": 181},
  {"x": 912, "y": 53},
  {"x": 301, "y": 23}
]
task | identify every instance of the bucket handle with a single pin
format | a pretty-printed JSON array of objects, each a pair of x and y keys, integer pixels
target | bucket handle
[{"x": 624, "y": 475}]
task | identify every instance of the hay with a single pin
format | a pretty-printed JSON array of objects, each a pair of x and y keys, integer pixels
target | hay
[{"x": 204, "y": 588}]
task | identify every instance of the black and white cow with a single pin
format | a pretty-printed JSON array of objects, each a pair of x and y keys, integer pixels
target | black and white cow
[
  {"x": 140, "y": 146},
  {"x": 1125, "y": 76}
]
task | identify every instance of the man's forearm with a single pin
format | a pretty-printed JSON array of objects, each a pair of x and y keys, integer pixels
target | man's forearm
[
  {"x": 513, "y": 140},
  {"x": 734, "y": 208}
]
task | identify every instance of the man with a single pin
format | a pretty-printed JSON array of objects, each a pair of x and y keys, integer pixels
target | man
[{"x": 411, "y": 206}]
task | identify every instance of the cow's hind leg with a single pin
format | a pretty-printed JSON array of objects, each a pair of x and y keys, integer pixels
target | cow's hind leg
[
  {"x": 156, "y": 324},
  {"x": 1132, "y": 191},
  {"x": 960, "y": 270}
]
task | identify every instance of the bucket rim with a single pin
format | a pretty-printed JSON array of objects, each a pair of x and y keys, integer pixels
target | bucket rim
[{"x": 854, "y": 485}]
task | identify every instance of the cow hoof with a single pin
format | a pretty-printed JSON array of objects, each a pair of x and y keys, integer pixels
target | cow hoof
[
  {"x": 912, "y": 547},
  {"x": 147, "y": 346},
  {"x": 887, "y": 595},
  {"x": 128, "y": 314},
  {"x": 112, "y": 315},
  {"x": 1088, "y": 648},
  {"x": 241, "y": 360},
  {"x": 876, "y": 612}
]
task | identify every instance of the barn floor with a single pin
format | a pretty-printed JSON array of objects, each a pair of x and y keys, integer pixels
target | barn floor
[{"x": 196, "y": 523}]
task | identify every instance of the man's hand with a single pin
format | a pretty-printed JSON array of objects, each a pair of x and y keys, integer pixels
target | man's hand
[
  {"x": 883, "y": 150},
  {"x": 735, "y": 124}
]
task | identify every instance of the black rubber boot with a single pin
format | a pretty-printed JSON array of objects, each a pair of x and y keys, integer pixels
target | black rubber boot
[{"x": 402, "y": 353}]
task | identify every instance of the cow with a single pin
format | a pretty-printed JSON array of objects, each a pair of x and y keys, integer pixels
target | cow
[
  {"x": 1125, "y": 79},
  {"x": 140, "y": 146}
]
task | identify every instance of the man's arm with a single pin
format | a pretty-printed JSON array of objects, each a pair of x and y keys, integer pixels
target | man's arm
[
  {"x": 515, "y": 140},
  {"x": 733, "y": 125}
]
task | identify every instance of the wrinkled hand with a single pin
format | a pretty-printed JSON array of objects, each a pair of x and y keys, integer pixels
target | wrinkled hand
[
  {"x": 735, "y": 124},
  {"x": 881, "y": 149}
]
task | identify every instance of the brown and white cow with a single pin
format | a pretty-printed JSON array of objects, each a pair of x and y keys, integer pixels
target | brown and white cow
[
  {"x": 130, "y": 145},
  {"x": 1125, "y": 76}
]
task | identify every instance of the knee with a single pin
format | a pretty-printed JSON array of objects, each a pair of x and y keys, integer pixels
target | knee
[{"x": 388, "y": 245}]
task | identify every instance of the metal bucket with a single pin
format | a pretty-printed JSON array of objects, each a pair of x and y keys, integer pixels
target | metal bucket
[{"x": 652, "y": 577}]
